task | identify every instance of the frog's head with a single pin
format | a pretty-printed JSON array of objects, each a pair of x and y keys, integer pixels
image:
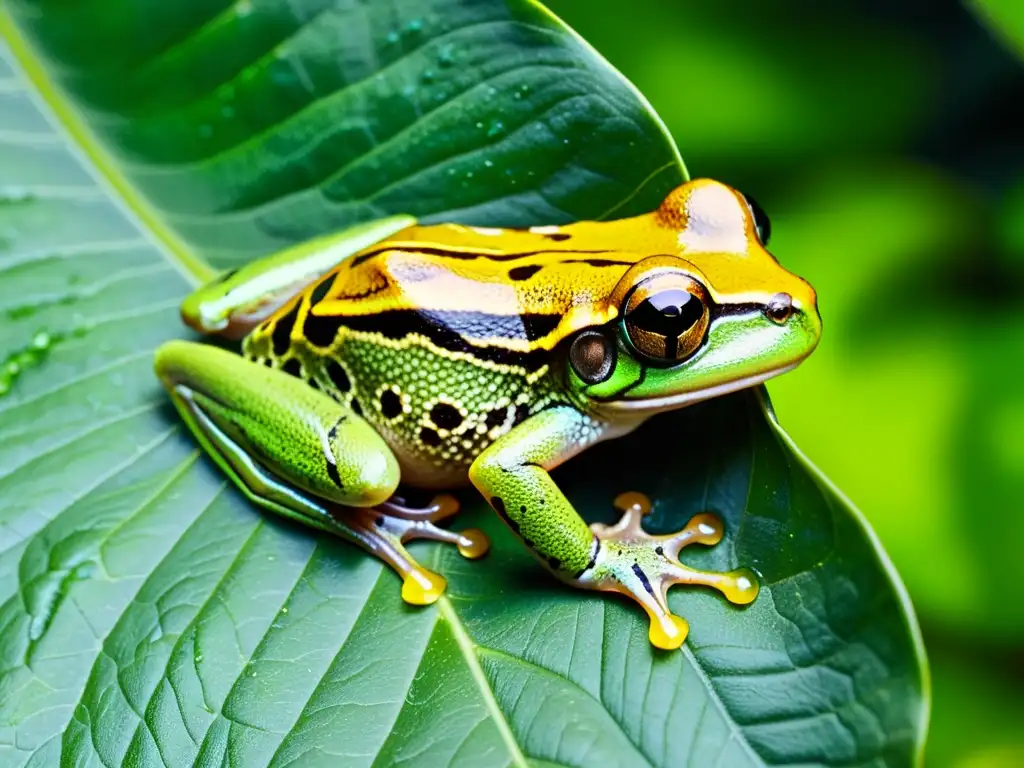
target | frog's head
[{"x": 718, "y": 315}]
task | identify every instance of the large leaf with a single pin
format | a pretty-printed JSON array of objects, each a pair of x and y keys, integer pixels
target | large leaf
[
  {"x": 151, "y": 615},
  {"x": 1003, "y": 17}
]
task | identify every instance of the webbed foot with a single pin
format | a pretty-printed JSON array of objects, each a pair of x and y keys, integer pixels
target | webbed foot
[
  {"x": 643, "y": 566},
  {"x": 389, "y": 525}
]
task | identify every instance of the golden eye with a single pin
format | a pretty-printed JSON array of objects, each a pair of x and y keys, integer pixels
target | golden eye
[{"x": 666, "y": 317}]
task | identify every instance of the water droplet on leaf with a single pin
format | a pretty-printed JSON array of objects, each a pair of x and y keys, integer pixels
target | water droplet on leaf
[{"x": 446, "y": 56}]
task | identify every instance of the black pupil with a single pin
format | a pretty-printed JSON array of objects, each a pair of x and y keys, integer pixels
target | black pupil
[
  {"x": 761, "y": 221},
  {"x": 670, "y": 314}
]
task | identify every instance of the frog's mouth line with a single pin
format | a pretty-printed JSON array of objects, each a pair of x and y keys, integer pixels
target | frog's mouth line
[{"x": 682, "y": 399}]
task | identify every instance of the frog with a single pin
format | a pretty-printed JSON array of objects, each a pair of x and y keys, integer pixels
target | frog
[{"x": 397, "y": 357}]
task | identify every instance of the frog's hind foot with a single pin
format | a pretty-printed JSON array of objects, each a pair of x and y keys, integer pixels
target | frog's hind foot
[
  {"x": 630, "y": 561},
  {"x": 421, "y": 523},
  {"x": 388, "y": 526}
]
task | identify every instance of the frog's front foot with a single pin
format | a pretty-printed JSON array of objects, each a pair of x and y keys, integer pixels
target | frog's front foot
[
  {"x": 643, "y": 566},
  {"x": 389, "y": 525}
]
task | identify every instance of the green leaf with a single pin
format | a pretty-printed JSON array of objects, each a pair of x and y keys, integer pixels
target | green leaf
[
  {"x": 1005, "y": 18},
  {"x": 968, "y": 416},
  {"x": 149, "y": 615}
]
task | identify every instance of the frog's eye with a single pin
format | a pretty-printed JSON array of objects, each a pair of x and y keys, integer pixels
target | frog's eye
[
  {"x": 761, "y": 220},
  {"x": 666, "y": 317}
]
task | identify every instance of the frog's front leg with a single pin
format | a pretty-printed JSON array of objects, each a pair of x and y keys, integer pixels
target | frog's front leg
[
  {"x": 297, "y": 452},
  {"x": 513, "y": 475}
]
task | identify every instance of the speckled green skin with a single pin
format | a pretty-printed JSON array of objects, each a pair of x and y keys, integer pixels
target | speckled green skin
[
  {"x": 513, "y": 421},
  {"x": 513, "y": 474},
  {"x": 311, "y": 441},
  {"x": 435, "y": 411}
]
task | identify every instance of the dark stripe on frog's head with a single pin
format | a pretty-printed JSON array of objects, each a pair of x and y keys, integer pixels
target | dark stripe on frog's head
[
  {"x": 452, "y": 253},
  {"x": 451, "y": 331},
  {"x": 479, "y": 326}
]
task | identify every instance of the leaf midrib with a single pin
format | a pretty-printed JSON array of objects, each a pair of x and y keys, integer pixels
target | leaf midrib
[
  {"x": 468, "y": 649},
  {"x": 96, "y": 159}
]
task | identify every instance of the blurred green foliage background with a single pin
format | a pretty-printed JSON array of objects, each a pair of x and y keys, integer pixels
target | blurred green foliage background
[{"x": 884, "y": 138}]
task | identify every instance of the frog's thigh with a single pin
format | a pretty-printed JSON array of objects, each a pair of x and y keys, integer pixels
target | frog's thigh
[
  {"x": 234, "y": 303},
  {"x": 300, "y": 435},
  {"x": 272, "y": 434}
]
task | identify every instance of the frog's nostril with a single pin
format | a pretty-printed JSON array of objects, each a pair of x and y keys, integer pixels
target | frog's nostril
[{"x": 779, "y": 308}]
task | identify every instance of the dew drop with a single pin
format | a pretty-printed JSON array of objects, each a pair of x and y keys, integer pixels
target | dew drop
[
  {"x": 392, "y": 37},
  {"x": 42, "y": 340},
  {"x": 446, "y": 56},
  {"x": 427, "y": 76},
  {"x": 29, "y": 356},
  {"x": 489, "y": 163},
  {"x": 496, "y": 129}
]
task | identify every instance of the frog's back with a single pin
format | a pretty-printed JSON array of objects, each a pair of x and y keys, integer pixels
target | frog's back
[{"x": 442, "y": 336}]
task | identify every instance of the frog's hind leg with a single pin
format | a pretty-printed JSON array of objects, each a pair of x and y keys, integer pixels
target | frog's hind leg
[
  {"x": 237, "y": 301},
  {"x": 295, "y": 451}
]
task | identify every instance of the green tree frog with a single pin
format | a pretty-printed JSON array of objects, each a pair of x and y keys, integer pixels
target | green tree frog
[{"x": 446, "y": 354}]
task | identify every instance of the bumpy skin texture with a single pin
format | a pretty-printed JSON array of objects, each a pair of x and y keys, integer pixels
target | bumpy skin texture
[
  {"x": 437, "y": 411},
  {"x": 312, "y": 442},
  {"x": 512, "y": 473},
  {"x": 453, "y": 353}
]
